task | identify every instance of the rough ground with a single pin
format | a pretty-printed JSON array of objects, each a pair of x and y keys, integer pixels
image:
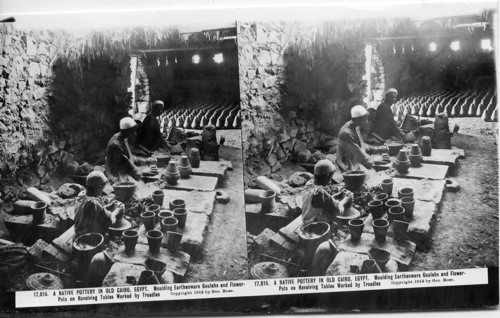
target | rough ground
[
  {"x": 466, "y": 231},
  {"x": 224, "y": 255}
]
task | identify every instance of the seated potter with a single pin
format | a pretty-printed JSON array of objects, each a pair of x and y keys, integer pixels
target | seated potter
[
  {"x": 92, "y": 217},
  {"x": 352, "y": 152},
  {"x": 149, "y": 136},
  {"x": 121, "y": 165},
  {"x": 318, "y": 204}
]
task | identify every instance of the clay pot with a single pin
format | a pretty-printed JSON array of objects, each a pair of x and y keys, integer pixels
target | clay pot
[
  {"x": 391, "y": 203},
  {"x": 396, "y": 213},
  {"x": 402, "y": 163},
  {"x": 158, "y": 197},
  {"x": 163, "y": 214},
  {"x": 380, "y": 227},
  {"x": 408, "y": 203},
  {"x": 154, "y": 241},
  {"x": 172, "y": 174},
  {"x": 376, "y": 209},
  {"x": 169, "y": 224},
  {"x": 354, "y": 179},
  {"x": 415, "y": 160},
  {"x": 148, "y": 218},
  {"x": 394, "y": 148},
  {"x": 387, "y": 185},
  {"x": 124, "y": 191},
  {"x": 177, "y": 204},
  {"x": 157, "y": 267},
  {"x": 185, "y": 167},
  {"x": 181, "y": 216},
  {"x": 356, "y": 227},
  {"x": 163, "y": 160},
  {"x": 194, "y": 158},
  {"x": 85, "y": 247},
  {"x": 173, "y": 241},
  {"x": 370, "y": 267},
  {"x": 39, "y": 215},
  {"x": 155, "y": 208},
  {"x": 268, "y": 201},
  {"x": 129, "y": 238},
  {"x": 381, "y": 197},
  {"x": 23, "y": 207},
  {"x": 415, "y": 150},
  {"x": 405, "y": 192},
  {"x": 399, "y": 228},
  {"x": 426, "y": 146},
  {"x": 381, "y": 257},
  {"x": 148, "y": 277}
]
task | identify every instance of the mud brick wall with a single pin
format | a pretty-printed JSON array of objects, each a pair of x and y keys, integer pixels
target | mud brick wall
[{"x": 288, "y": 108}]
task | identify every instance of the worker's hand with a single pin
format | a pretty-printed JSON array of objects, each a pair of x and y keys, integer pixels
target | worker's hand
[
  {"x": 111, "y": 206},
  {"x": 153, "y": 161},
  {"x": 348, "y": 197},
  {"x": 384, "y": 149}
]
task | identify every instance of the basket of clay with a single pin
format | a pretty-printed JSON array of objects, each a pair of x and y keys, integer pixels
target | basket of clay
[
  {"x": 314, "y": 234},
  {"x": 87, "y": 245}
]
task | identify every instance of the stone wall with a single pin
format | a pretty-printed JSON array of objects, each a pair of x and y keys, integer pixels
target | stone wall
[
  {"x": 141, "y": 91},
  {"x": 289, "y": 107},
  {"x": 29, "y": 152}
]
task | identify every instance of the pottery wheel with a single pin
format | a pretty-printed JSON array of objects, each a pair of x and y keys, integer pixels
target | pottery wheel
[
  {"x": 121, "y": 225},
  {"x": 40, "y": 281},
  {"x": 349, "y": 214},
  {"x": 267, "y": 270}
]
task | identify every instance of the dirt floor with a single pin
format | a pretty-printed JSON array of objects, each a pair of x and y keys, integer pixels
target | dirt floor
[
  {"x": 224, "y": 255},
  {"x": 466, "y": 231}
]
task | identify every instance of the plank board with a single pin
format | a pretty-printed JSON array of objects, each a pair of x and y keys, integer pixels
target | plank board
[
  {"x": 177, "y": 263},
  {"x": 341, "y": 265},
  {"x": 281, "y": 244},
  {"x": 196, "y": 201},
  {"x": 65, "y": 241},
  {"x": 117, "y": 275},
  {"x": 52, "y": 252},
  {"x": 217, "y": 169},
  {"x": 424, "y": 189},
  {"x": 447, "y": 157},
  {"x": 426, "y": 171},
  {"x": 401, "y": 251},
  {"x": 291, "y": 231},
  {"x": 200, "y": 183},
  {"x": 193, "y": 233}
]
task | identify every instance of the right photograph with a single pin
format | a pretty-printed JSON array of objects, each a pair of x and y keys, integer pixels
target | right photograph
[{"x": 370, "y": 145}]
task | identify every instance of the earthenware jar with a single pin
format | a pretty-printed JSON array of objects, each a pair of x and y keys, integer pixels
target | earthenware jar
[
  {"x": 356, "y": 228},
  {"x": 181, "y": 216},
  {"x": 268, "y": 201},
  {"x": 408, "y": 203},
  {"x": 165, "y": 214},
  {"x": 124, "y": 191},
  {"x": 370, "y": 267},
  {"x": 399, "y": 228},
  {"x": 394, "y": 148},
  {"x": 173, "y": 241},
  {"x": 387, "y": 185},
  {"x": 177, "y": 204},
  {"x": 402, "y": 163},
  {"x": 169, "y": 224},
  {"x": 194, "y": 157},
  {"x": 354, "y": 179},
  {"x": 376, "y": 209},
  {"x": 148, "y": 277},
  {"x": 380, "y": 227},
  {"x": 426, "y": 146},
  {"x": 148, "y": 219},
  {"x": 163, "y": 160},
  {"x": 155, "y": 208},
  {"x": 396, "y": 213},
  {"x": 172, "y": 174},
  {"x": 129, "y": 238},
  {"x": 405, "y": 192},
  {"x": 415, "y": 156},
  {"x": 185, "y": 167},
  {"x": 381, "y": 197},
  {"x": 154, "y": 241},
  {"x": 158, "y": 196},
  {"x": 392, "y": 202},
  {"x": 39, "y": 214}
]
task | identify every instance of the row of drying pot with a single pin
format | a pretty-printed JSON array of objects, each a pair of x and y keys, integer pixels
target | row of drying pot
[
  {"x": 155, "y": 238},
  {"x": 412, "y": 158}
]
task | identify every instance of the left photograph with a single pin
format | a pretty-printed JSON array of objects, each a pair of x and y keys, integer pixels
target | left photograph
[{"x": 120, "y": 156}]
